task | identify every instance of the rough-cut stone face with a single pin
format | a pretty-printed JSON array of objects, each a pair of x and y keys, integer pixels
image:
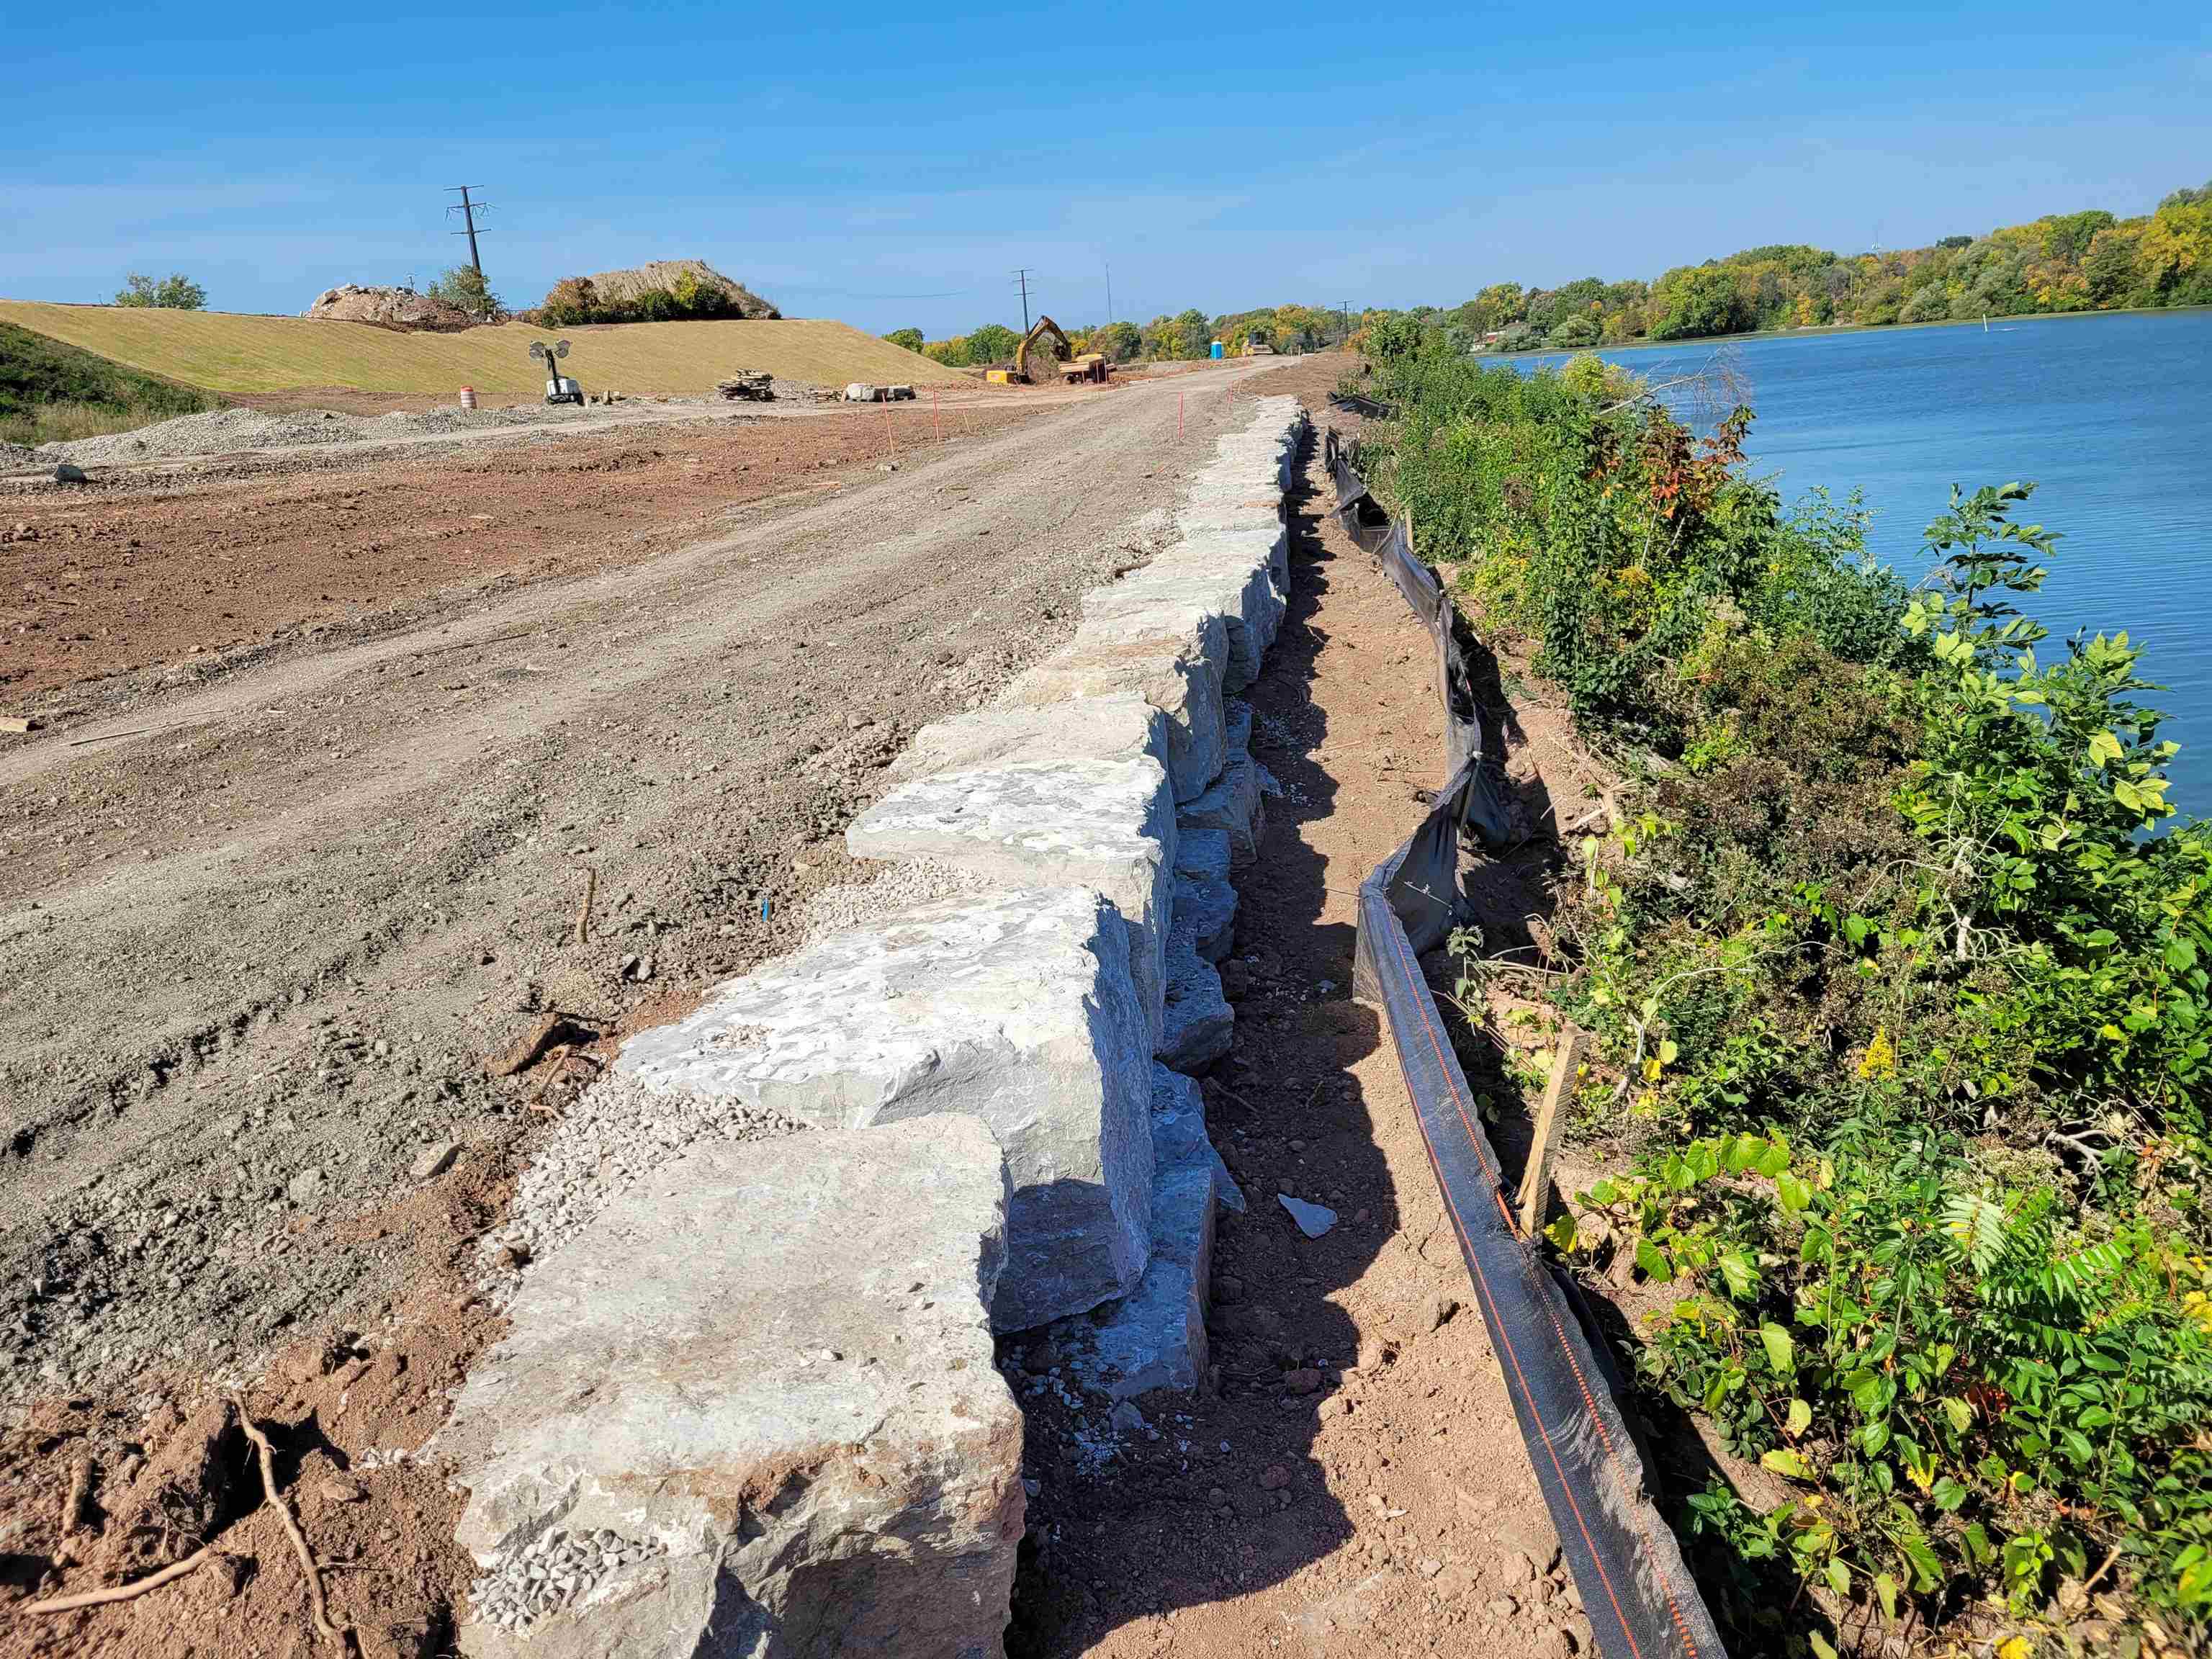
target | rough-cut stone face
[
  {"x": 1231, "y": 572},
  {"x": 1155, "y": 1338},
  {"x": 1108, "y": 824},
  {"x": 1177, "y": 663},
  {"x": 1017, "y": 1007},
  {"x": 767, "y": 1370},
  {"x": 1209, "y": 908},
  {"x": 1201, "y": 1025},
  {"x": 1085, "y": 728},
  {"x": 1231, "y": 805}
]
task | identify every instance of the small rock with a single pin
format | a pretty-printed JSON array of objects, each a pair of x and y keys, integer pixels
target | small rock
[
  {"x": 339, "y": 1489},
  {"x": 1274, "y": 1478},
  {"x": 1431, "y": 1567},
  {"x": 1312, "y": 1220},
  {"x": 1127, "y": 1419},
  {"x": 1304, "y": 1380},
  {"x": 305, "y": 1185},
  {"x": 433, "y": 1160},
  {"x": 1438, "y": 1311}
]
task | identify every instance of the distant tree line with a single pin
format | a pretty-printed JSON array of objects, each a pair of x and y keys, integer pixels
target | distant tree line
[
  {"x": 1183, "y": 335},
  {"x": 2087, "y": 261}
]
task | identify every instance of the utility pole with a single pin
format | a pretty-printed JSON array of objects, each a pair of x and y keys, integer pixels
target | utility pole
[
  {"x": 1344, "y": 326},
  {"x": 1022, "y": 276},
  {"x": 1109, "y": 290},
  {"x": 468, "y": 210}
]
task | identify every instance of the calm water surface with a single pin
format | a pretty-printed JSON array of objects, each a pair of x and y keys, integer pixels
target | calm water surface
[{"x": 2110, "y": 416}]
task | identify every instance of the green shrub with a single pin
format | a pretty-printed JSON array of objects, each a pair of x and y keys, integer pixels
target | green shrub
[
  {"x": 50, "y": 391},
  {"x": 1897, "y": 965},
  {"x": 175, "y": 291}
]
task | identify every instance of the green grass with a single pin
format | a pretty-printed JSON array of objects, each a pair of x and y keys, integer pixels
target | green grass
[
  {"x": 230, "y": 354},
  {"x": 50, "y": 390}
]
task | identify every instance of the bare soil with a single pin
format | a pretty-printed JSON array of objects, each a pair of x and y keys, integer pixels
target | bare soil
[{"x": 1355, "y": 1483}]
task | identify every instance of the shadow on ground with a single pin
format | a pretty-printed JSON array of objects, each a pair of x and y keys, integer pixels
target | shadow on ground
[{"x": 1217, "y": 1495}]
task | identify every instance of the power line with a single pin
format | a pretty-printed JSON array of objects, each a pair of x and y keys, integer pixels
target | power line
[
  {"x": 1022, "y": 276},
  {"x": 468, "y": 210}
]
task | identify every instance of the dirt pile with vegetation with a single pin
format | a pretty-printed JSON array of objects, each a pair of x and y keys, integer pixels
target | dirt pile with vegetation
[
  {"x": 1894, "y": 956},
  {"x": 402, "y": 308},
  {"x": 658, "y": 291}
]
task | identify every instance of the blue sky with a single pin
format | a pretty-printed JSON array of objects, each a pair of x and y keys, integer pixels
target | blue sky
[{"x": 893, "y": 164}]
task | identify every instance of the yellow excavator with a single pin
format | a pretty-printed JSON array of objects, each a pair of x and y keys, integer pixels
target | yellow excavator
[{"x": 1047, "y": 357}]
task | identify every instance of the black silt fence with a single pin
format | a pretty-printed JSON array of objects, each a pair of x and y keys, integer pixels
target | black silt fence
[{"x": 1639, "y": 1597}]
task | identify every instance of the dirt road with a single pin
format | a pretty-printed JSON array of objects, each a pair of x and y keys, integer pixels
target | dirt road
[{"x": 252, "y": 961}]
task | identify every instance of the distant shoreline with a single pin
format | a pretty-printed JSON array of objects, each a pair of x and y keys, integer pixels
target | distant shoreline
[{"x": 1820, "y": 330}]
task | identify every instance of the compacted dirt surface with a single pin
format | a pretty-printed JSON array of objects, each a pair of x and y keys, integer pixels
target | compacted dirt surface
[{"x": 490, "y": 755}]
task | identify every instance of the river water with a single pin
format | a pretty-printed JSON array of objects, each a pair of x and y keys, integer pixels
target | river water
[{"x": 2110, "y": 416}]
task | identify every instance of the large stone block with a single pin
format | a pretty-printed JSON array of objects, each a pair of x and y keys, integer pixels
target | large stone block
[
  {"x": 752, "y": 1410},
  {"x": 1225, "y": 573},
  {"x": 1155, "y": 1337},
  {"x": 1231, "y": 804},
  {"x": 1176, "y": 659},
  {"x": 1209, "y": 910},
  {"x": 1017, "y": 1007},
  {"x": 1180, "y": 1139},
  {"x": 1107, "y": 824},
  {"x": 1201, "y": 1025},
  {"x": 1123, "y": 727}
]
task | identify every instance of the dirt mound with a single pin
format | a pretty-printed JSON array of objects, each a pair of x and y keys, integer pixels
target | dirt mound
[
  {"x": 401, "y": 308},
  {"x": 629, "y": 283}
]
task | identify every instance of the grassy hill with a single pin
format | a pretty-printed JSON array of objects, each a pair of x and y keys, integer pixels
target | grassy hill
[
  {"x": 48, "y": 390},
  {"x": 226, "y": 352}
]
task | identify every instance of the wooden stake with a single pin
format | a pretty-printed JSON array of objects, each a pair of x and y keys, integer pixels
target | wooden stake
[
  {"x": 1536, "y": 1174},
  {"x": 584, "y": 914}
]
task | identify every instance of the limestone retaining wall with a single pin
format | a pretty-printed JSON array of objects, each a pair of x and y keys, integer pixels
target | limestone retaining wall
[{"x": 758, "y": 1380}]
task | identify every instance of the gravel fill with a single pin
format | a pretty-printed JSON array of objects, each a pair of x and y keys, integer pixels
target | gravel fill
[
  {"x": 223, "y": 430},
  {"x": 617, "y": 1131},
  {"x": 853, "y": 905},
  {"x": 554, "y": 1570},
  {"x": 14, "y": 455}
]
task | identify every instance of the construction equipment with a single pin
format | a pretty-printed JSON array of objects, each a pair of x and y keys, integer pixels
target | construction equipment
[
  {"x": 755, "y": 386},
  {"x": 559, "y": 388},
  {"x": 1092, "y": 369},
  {"x": 1043, "y": 348}
]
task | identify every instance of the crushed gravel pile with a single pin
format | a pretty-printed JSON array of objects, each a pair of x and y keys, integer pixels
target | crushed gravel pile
[
  {"x": 14, "y": 455},
  {"x": 619, "y": 1130},
  {"x": 223, "y": 431}
]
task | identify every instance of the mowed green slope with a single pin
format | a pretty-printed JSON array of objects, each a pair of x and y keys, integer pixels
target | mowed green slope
[{"x": 228, "y": 353}]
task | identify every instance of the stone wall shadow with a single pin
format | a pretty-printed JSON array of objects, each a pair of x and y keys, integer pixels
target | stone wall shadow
[{"x": 1198, "y": 1525}]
